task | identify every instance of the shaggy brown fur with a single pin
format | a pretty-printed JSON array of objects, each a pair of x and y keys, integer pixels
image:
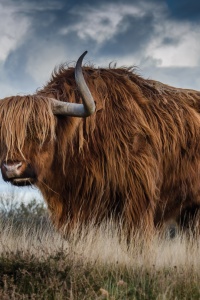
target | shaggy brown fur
[{"x": 137, "y": 159}]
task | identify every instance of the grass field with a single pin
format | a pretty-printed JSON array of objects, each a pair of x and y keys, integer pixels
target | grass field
[{"x": 94, "y": 263}]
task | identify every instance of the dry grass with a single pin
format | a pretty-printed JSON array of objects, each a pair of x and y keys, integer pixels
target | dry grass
[{"x": 36, "y": 262}]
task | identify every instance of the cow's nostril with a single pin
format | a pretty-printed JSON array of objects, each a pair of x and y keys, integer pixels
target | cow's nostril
[
  {"x": 18, "y": 165},
  {"x": 3, "y": 165}
]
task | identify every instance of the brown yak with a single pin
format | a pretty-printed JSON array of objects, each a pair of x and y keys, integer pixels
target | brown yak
[{"x": 107, "y": 145}]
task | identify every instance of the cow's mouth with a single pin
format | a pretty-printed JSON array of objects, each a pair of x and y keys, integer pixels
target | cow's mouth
[
  {"x": 18, "y": 173},
  {"x": 22, "y": 181}
]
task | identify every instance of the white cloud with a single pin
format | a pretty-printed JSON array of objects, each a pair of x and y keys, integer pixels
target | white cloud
[
  {"x": 106, "y": 21},
  {"x": 15, "y": 22},
  {"x": 102, "y": 23},
  {"x": 184, "y": 48},
  {"x": 13, "y": 28}
]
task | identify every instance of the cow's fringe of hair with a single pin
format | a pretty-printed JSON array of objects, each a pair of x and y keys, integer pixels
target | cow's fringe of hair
[{"x": 36, "y": 124}]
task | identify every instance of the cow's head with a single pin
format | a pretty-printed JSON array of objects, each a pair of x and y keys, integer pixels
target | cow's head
[{"x": 28, "y": 131}]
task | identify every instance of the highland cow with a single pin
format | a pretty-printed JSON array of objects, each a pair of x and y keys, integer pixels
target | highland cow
[{"x": 107, "y": 145}]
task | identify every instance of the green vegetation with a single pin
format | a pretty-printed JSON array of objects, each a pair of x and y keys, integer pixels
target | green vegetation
[{"x": 36, "y": 262}]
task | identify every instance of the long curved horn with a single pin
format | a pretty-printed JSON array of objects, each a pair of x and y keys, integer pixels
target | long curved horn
[{"x": 75, "y": 109}]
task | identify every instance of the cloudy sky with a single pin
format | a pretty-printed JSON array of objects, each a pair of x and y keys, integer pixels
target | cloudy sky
[{"x": 161, "y": 37}]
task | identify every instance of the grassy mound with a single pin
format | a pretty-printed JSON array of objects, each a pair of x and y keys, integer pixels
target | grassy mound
[{"x": 36, "y": 262}]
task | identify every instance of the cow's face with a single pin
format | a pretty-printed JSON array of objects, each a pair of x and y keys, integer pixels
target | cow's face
[
  {"x": 27, "y": 140},
  {"x": 31, "y": 169}
]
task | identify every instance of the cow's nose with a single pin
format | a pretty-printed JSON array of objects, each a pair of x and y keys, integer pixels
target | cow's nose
[{"x": 12, "y": 168}]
